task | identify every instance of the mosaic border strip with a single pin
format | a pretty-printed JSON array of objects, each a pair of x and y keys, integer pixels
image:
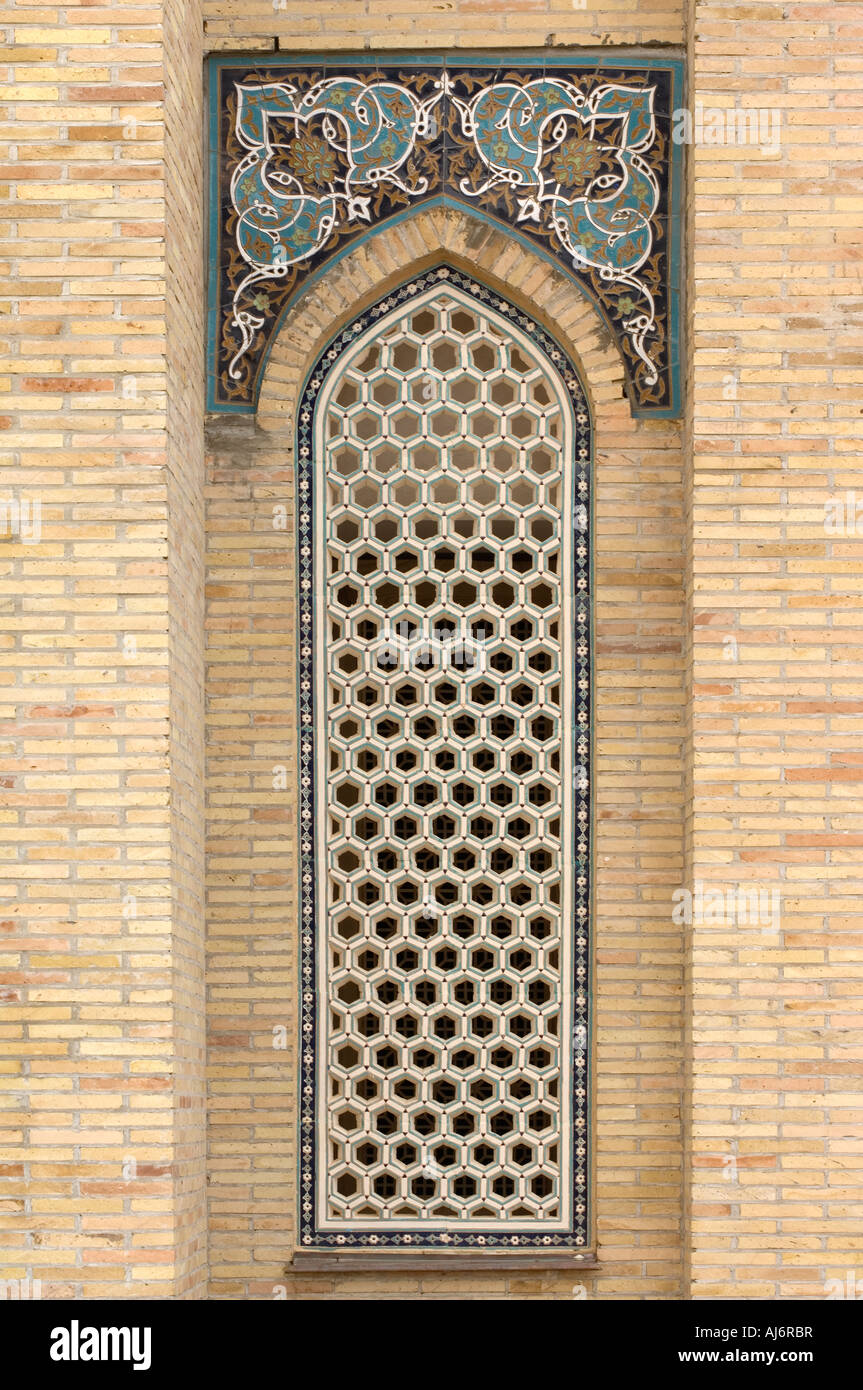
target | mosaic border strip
[
  {"x": 311, "y": 156},
  {"x": 442, "y": 1239}
]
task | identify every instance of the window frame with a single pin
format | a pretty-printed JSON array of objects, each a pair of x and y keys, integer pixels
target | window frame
[{"x": 314, "y": 1240}]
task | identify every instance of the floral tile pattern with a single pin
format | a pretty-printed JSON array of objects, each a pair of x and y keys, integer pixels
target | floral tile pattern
[{"x": 577, "y": 160}]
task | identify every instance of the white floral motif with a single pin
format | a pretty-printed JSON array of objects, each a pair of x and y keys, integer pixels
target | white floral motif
[{"x": 316, "y": 162}]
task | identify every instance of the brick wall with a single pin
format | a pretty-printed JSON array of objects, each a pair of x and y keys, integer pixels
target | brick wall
[
  {"x": 296, "y": 25},
  {"x": 101, "y": 1183},
  {"x": 774, "y": 1146}
]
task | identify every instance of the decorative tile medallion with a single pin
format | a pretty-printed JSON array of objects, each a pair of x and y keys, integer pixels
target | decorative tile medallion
[
  {"x": 444, "y": 450},
  {"x": 574, "y": 158}
]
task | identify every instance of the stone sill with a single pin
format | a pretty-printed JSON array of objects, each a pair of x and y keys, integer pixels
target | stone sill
[{"x": 418, "y": 1261}]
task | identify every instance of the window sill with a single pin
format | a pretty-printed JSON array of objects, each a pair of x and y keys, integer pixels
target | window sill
[{"x": 416, "y": 1261}]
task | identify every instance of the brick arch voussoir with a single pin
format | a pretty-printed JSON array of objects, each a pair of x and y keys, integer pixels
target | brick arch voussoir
[{"x": 469, "y": 244}]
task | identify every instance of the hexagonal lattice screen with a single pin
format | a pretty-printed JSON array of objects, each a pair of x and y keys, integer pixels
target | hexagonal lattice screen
[{"x": 447, "y": 514}]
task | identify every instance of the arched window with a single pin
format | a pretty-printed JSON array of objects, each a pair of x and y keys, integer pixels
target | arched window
[{"x": 443, "y": 514}]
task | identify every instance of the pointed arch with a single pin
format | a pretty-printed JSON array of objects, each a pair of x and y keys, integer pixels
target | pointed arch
[{"x": 453, "y": 237}]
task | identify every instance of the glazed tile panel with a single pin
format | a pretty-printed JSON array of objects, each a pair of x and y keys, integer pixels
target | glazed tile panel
[
  {"x": 445, "y": 754},
  {"x": 575, "y": 159}
]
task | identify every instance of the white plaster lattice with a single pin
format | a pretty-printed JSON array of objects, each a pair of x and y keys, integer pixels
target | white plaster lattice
[{"x": 453, "y": 527}]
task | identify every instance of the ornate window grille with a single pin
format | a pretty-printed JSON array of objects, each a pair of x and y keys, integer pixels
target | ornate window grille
[{"x": 444, "y": 506}]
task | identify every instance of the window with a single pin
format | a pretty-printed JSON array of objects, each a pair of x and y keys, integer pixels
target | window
[{"x": 444, "y": 761}]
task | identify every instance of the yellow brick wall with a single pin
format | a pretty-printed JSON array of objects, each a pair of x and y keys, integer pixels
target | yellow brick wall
[
  {"x": 101, "y": 1172},
  {"x": 774, "y": 1127},
  {"x": 323, "y": 25}
]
